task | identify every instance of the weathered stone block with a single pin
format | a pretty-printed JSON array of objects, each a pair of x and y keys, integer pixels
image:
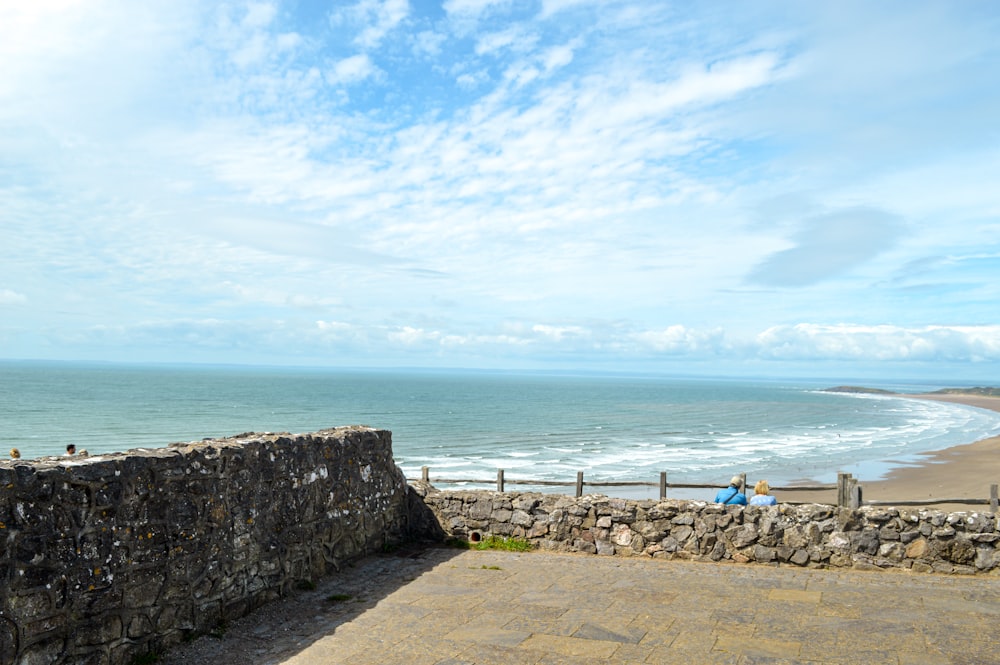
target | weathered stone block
[
  {"x": 892, "y": 551},
  {"x": 622, "y": 535},
  {"x": 796, "y": 537},
  {"x": 763, "y": 554},
  {"x": 681, "y": 533},
  {"x": 481, "y": 509},
  {"x": 743, "y": 535},
  {"x": 521, "y": 518},
  {"x": 918, "y": 549},
  {"x": 867, "y": 541},
  {"x": 526, "y": 502},
  {"x": 960, "y": 551},
  {"x": 538, "y": 530},
  {"x": 501, "y": 515}
]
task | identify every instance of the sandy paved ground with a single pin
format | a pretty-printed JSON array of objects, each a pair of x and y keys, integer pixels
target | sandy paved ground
[{"x": 460, "y": 607}]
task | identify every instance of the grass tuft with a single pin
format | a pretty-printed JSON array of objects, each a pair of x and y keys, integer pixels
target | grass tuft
[
  {"x": 492, "y": 543},
  {"x": 505, "y": 544}
]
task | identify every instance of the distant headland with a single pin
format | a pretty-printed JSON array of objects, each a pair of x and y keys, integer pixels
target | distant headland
[{"x": 981, "y": 392}]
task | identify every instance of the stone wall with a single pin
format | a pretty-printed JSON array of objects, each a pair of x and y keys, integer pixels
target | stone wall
[
  {"x": 107, "y": 559},
  {"x": 813, "y": 535}
]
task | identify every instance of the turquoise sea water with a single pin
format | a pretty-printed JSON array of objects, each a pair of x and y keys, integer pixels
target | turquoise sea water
[{"x": 468, "y": 424}]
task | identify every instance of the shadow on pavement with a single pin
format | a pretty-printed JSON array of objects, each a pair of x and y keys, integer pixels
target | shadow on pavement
[{"x": 279, "y": 630}]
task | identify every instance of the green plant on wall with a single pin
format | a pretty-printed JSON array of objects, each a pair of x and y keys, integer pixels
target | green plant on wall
[{"x": 493, "y": 543}]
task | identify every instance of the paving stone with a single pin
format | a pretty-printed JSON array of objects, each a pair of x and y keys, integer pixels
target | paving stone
[
  {"x": 487, "y": 635},
  {"x": 673, "y": 655},
  {"x": 590, "y": 631},
  {"x": 794, "y": 596},
  {"x": 570, "y": 646}
]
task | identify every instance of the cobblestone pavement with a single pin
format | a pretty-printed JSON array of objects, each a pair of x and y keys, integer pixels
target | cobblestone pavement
[{"x": 455, "y": 607}]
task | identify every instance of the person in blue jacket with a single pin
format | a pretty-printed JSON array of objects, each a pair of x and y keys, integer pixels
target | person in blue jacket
[{"x": 732, "y": 495}]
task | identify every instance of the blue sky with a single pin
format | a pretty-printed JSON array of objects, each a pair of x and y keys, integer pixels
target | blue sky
[{"x": 741, "y": 187}]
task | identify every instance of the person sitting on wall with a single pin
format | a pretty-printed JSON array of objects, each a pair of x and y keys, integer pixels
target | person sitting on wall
[
  {"x": 732, "y": 495},
  {"x": 71, "y": 449},
  {"x": 761, "y": 496}
]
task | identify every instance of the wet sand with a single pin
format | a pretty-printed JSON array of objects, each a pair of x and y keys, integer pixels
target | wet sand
[{"x": 965, "y": 471}]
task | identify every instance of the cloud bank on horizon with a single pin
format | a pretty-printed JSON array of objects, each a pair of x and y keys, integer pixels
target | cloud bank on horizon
[{"x": 488, "y": 183}]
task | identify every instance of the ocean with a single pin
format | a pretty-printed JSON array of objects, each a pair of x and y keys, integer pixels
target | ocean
[{"x": 465, "y": 424}]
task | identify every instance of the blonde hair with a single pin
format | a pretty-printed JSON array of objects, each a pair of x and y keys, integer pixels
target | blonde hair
[
  {"x": 15, "y": 453},
  {"x": 761, "y": 487}
]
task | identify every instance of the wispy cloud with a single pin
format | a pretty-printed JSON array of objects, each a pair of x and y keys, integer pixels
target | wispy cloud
[
  {"x": 350, "y": 70},
  {"x": 8, "y": 297}
]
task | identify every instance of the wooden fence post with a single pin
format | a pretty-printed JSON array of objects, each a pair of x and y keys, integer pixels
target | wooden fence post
[
  {"x": 994, "y": 500},
  {"x": 579, "y": 484},
  {"x": 499, "y": 480},
  {"x": 843, "y": 489},
  {"x": 855, "y": 490},
  {"x": 425, "y": 474},
  {"x": 743, "y": 482},
  {"x": 663, "y": 485}
]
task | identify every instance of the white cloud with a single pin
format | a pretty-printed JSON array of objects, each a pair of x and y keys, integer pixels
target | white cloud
[
  {"x": 472, "y": 80},
  {"x": 410, "y": 336},
  {"x": 514, "y": 38},
  {"x": 259, "y": 15},
  {"x": 276, "y": 298},
  {"x": 881, "y": 343},
  {"x": 559, "y": 56},
  {"x": 550, "y": 7},
  {"x": 382, "y": 17},
  {"x": 472, "y": 8},
  {"x": 371, "y": 20},
  {"x": 334, "y": 326},
  {"x": 429, "y": 42},
  {"x": 482, "y": 343},
  {"x": 678, "y": 339},
  {"x": 8, "y": 297},
  {"x": 354, "y": 69},
  {"x": 560, "y": 333}
]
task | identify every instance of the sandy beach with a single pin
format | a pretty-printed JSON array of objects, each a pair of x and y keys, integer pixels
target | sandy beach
[{"x": 965, "y": 471}]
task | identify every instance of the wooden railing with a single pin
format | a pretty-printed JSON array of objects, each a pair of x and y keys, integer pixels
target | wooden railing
[{"x": 849, "y": 491}]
